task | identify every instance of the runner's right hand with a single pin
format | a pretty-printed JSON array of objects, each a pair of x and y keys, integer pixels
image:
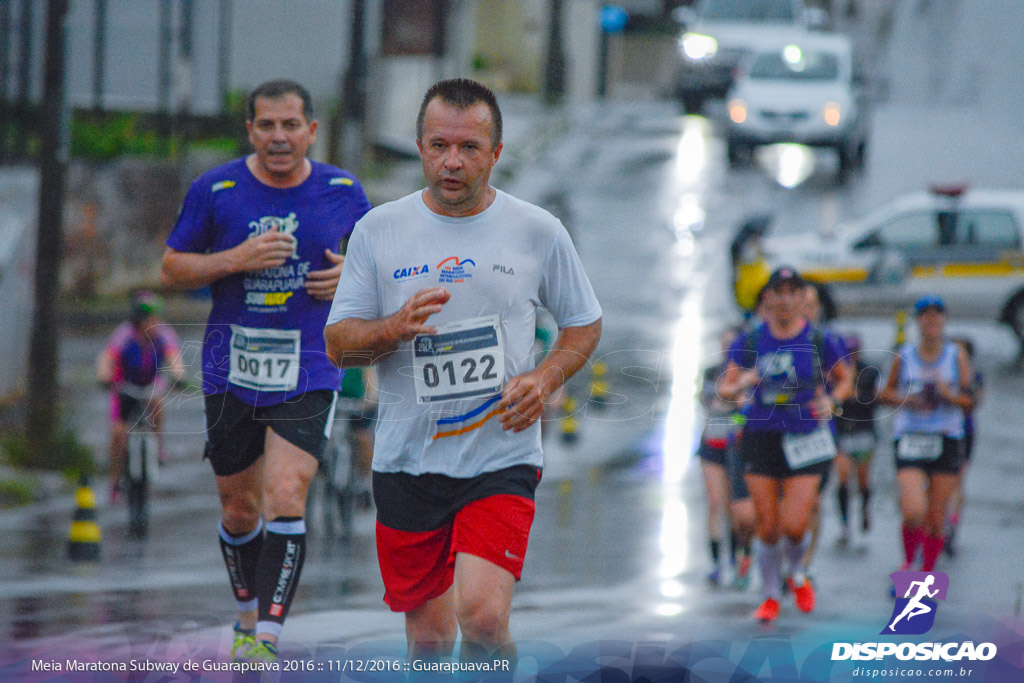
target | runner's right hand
[
  {"x": 410, "y": 319},
  {"x": 272, "y": 248}
]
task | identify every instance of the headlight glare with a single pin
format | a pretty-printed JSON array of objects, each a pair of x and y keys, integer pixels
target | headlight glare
[{"x": 699, "y": 46}]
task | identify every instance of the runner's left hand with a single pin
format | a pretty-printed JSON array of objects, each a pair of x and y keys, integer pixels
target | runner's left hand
[
  {"x": 321, "y": 284},
  {"x": 822, "y": 405},
  {"x": 523, "y": 401}
]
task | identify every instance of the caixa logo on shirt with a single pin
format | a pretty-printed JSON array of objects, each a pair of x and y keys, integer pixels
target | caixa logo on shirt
[
  {"x": 411, "y": 272},
  {"x": 916, "y": 595}
]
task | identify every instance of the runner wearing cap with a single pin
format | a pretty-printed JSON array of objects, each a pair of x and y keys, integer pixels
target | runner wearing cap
[
  {"x": 930, "y": 385},
  {"x": 797, "y": 380}
]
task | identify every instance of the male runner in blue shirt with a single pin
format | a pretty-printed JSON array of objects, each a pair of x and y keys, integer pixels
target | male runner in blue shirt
[{"x": 264, "y": 233}]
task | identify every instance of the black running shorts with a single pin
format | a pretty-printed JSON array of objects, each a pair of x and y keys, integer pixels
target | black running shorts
[
  {"x": 762, "y": 453},
  {"x": 236, "y": 431}
]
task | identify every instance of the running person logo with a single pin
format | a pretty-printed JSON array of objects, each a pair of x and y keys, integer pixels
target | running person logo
[
  {"x": 286, "y": 224},
  {"x": 914, "y": 612}
]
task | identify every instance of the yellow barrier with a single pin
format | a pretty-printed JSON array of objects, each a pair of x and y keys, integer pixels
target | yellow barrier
[{"x": 84, "y": 535}]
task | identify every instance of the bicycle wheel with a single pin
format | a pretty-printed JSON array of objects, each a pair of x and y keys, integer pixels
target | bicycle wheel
[{"x": 139, "y": 447}]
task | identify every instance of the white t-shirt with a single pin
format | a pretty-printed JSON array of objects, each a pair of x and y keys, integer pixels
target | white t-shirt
[{"x": 439, "y": 393}]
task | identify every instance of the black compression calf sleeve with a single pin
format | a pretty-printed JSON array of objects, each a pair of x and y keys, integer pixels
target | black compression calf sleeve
[
  {"x": 241, "y": 555},
  {"x": 844, "y": 502},
  {"x": 284, "y": 552}
]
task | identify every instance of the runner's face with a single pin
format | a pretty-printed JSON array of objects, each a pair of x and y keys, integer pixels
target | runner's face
[
  {"x": 457, "y": 157},
  {"x": 786, "y": 302},
  {"x": 932, "y": 323},
  {"x": 280, "y": 135}
]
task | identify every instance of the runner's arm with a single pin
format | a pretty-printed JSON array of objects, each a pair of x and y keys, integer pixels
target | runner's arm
[
  {"x": 105, "y": 363},
  {"x": 526, "y": 393},
  {"x": 352, "y": 342},
  {"x": 842, "y": 382},
  {"x": 187, "y": 270},
  {"x": 890, "y": 394},
  {"x": 965, "y": 398},
  {"x": 735, "y": 381}
]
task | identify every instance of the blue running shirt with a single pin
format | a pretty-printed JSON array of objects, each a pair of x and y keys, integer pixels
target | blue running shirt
[
  {"x": 789, "y": 375},
  {"x": 264, "y": 338}
]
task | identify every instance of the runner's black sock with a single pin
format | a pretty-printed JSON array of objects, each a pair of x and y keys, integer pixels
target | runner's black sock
[
  {"x": 715, "y": 552},
  {"x": 734, "y": 543},
  {"x": 277, "y": 576},
  {"x": 844, "y": 502},
  {"x": 241, "y": 555}
]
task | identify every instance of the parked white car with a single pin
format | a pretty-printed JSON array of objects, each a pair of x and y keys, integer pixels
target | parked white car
[
  {"x": 964, "y": 245},
  {"x": 808, "y": 90}
]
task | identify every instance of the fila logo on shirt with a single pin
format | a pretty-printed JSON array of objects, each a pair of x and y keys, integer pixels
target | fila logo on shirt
[{"x": 504, "y": 270}]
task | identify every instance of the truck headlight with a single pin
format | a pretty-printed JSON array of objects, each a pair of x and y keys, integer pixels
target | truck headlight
[{"x": 698, "y": 46}]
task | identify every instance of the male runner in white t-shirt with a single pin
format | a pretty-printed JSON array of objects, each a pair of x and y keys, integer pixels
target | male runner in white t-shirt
[{"x": 457, "y": 453}]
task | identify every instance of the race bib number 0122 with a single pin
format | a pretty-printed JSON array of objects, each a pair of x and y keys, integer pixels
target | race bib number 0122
[
  {"x": 462, "y": 360},
  {"x": 264, "y": 359}
]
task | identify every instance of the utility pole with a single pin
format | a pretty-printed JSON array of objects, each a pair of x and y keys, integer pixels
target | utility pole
[
  {"x": 183, "y": 70},
  {"x": 24, "y": 71},
  {"x": 554, "y": 75},
  {"x": 99, "y": 53},
  {"x": 5, "y": 70},
  {"x": 349, "y": 129},
  {"x": 163, "y": 84},
  {"x": 43, "y": 387},
  {"x": 224, "y": 54}
]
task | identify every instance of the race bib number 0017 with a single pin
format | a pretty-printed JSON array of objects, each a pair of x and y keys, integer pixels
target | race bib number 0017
[
  {"x": 802, "y": 450},
  {"x": 462, "y": 360},
  {"x": 264, "y": 359}
]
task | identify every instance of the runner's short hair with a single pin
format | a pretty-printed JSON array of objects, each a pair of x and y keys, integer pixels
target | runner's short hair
[
  {"x": 277, "y": 89},
  {"x": 462, "y": 93}
]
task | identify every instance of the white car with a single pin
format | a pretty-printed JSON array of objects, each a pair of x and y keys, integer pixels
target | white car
[
  {"x": 717, "y": 33},
  {"x": 807, "y": 90},
  {"x": 964, "y": 245}
]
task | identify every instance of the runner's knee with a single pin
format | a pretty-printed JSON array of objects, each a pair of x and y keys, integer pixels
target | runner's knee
[
  {"x": 484, "y": 622},
  {"x": 240, "y": 513}
]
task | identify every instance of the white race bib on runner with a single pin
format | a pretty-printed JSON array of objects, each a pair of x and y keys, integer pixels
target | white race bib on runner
[
  {"x": 857, "y": 442},
  {"x": 265, "y": 359},
  {"x": 802, "y": 450},
  {"x": 462, "y": 360},
  {"x": 919, "y": 446}
]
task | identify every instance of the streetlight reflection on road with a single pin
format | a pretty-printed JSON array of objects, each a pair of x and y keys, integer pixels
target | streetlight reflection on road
[
  {"x": 687, "y": 188},
  {"x": 692, "y": 155},
  {"x": 788, "y": 163}
]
